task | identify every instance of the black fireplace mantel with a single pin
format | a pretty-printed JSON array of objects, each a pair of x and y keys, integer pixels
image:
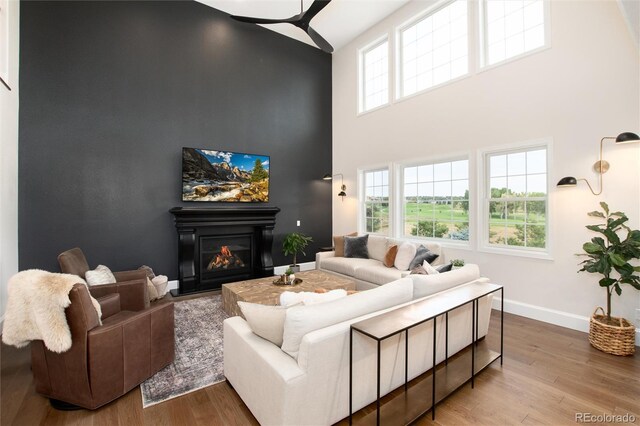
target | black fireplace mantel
[{"x": 195, "y": 225}]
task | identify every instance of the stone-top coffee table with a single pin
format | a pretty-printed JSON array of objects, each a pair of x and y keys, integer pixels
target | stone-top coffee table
[{"x": 264, "y": 292}]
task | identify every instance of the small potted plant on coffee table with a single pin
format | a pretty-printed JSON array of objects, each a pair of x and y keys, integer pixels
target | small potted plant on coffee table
[
  {"x": 293, "y": 244},
  {"x": 609, "y": 256}
]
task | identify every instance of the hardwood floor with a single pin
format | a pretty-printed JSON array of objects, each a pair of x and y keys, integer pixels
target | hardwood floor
[{"x": 549, "y": 374}]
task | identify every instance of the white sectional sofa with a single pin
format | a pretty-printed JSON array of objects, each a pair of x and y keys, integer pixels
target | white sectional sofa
[
  {"x": 370, "y": 273},
  {"x": 306, "y": 382}
]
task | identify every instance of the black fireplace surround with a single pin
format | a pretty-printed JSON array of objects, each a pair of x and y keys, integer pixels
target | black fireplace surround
[{"x": 221, "y": 245}]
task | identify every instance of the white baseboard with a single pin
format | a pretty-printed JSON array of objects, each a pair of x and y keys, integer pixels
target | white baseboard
[
  {"x": 278, "y": 270},
  {"x": 551, "y": 316},
  {"x": 307, "y": 266}
]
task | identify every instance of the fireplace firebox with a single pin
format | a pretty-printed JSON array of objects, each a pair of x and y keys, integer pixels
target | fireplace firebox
[
  {"x": 225, "y": 255},
  {"x": 224, "y": 244}
]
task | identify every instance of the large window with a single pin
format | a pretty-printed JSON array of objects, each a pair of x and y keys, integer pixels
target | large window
[
  {"x": 374, "y": 75},
  {"x": 376, "y": 201},
  {"x": 511, "y": 28},
  {"x": 436, "y": 200},
  {"x": 434, "y": 49},
  {"x": 516, "y": 199}
]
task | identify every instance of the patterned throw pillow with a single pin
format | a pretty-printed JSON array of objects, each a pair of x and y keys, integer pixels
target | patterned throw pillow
[
  {"x": 422, "y": 254},
  {"x": 429, "y": 269},
  {"x": 148, "y": 270},
  {"x": 418, "y": 270},
  {"x": 356, "y": 247},
  {"x": 100, "y": 275}
]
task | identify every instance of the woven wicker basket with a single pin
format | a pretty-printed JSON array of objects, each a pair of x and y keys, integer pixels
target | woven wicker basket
[{"x": 616, "y": 340}]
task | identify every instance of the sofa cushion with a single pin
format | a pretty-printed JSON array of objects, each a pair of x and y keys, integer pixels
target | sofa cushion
[
  {"x": 378, "y": 274},
  {"x": 290, "y": 298},
  {"x": 338, "y": 244},
  {"x": 406, "y": 253},
  {"x": 377, "y": 246},
  {"x": 425, "y": 285},
  {"x": 301, "y": 320},
  {"x": 356, "y": 247},
  {"x": 346, "y": 265}
]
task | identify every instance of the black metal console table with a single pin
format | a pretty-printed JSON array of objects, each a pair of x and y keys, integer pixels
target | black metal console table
[{"x": 456, "y": 371}]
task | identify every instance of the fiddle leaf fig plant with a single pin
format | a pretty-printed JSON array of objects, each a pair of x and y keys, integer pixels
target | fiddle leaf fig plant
[
  {"x": 295, "y": 243},
  {"x": 609, "y": 254}
]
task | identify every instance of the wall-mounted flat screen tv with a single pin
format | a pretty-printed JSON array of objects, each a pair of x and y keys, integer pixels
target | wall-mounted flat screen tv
[{"x": 224, "y": 176}]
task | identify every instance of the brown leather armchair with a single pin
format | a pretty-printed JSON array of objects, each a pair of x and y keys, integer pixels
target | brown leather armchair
[
  {"x": 129, "y": 283},
  {"x": 105, "y": 361}
]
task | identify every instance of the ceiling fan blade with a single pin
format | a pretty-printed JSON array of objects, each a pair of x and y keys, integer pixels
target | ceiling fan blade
[
  {"x": 319, "y": 40},
  {"x": 251, "y": 20},
  {"x": 314, "y": 9}
]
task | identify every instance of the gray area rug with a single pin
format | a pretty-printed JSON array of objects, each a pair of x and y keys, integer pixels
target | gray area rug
[{"x": 198, "y": 362}]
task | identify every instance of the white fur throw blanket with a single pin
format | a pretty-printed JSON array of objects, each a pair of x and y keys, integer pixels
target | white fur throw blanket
[{"x": 35, "y": 309}]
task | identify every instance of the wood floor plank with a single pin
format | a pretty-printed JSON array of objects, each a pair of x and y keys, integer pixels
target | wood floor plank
[{"x": 549, "y": 374}]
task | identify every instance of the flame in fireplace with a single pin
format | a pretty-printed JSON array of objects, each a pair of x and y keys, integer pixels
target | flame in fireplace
[{"x": 224, "y": 260}]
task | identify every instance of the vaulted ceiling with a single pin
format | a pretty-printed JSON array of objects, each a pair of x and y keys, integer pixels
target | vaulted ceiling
[
  {"x": 343, "y": 20},
  {"x": 339, "y": 22}
]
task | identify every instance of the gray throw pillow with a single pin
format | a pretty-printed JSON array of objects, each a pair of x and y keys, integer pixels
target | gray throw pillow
[
  {"x": 356, "y": 247},
  {"x": 444, "y": 268},
  {"x": 422, "y": 254}
]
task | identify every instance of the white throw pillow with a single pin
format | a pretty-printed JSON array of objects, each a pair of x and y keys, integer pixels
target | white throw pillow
[
  {"x": 301, "y": 320},
  {"x": 266, "y": 321},
  {"x": 100, "y": 275},
  {"x": 406, "y": 253},
  {"x": 289, "y": 298},
  {"x": 377, "y": 247},
  {"x": 430, "y": 269}
]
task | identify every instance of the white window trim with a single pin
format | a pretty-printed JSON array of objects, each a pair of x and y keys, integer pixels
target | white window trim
[
  {"x": 362, "y": 229},
  {"x": 483, "y": 206},
  {"x": 360, "y": 61},
  {"x": 482, "y": 39},
  {"x": 398, "y": 193},
  {"x": 398, "y": 49}
]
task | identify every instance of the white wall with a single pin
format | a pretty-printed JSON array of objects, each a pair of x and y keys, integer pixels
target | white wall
[
  {"x": 586, "y": 86},
  {"x": 9, "y": 161}
]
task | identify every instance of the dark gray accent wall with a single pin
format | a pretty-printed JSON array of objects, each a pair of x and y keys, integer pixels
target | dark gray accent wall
[{"x": 109, "y": 94}]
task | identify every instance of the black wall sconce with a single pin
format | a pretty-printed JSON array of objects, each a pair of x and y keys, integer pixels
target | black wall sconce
[
  {"x": 343, "y": 187},
  {"x": 601, "y": 166}
]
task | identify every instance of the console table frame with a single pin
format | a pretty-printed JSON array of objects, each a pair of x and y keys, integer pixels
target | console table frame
[{"x": 403, "y": 319}]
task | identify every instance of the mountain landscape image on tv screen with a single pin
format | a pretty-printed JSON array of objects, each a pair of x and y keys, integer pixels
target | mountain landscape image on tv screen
[{"x": 224, "y": 176}]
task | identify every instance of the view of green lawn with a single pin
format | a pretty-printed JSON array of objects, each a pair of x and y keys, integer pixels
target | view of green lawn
[{"x": 511, "y": 223}]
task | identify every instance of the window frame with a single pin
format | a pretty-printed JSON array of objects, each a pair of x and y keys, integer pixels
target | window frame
[
  {"x": 414, "y": 20},
  {"x": 484, "y": 180},
  {"x": 482, "y": 34},
  {"x": 362, "y": 203},
  {"x": 400, "y": 210},
  {"x": 361, "y": 70}
]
